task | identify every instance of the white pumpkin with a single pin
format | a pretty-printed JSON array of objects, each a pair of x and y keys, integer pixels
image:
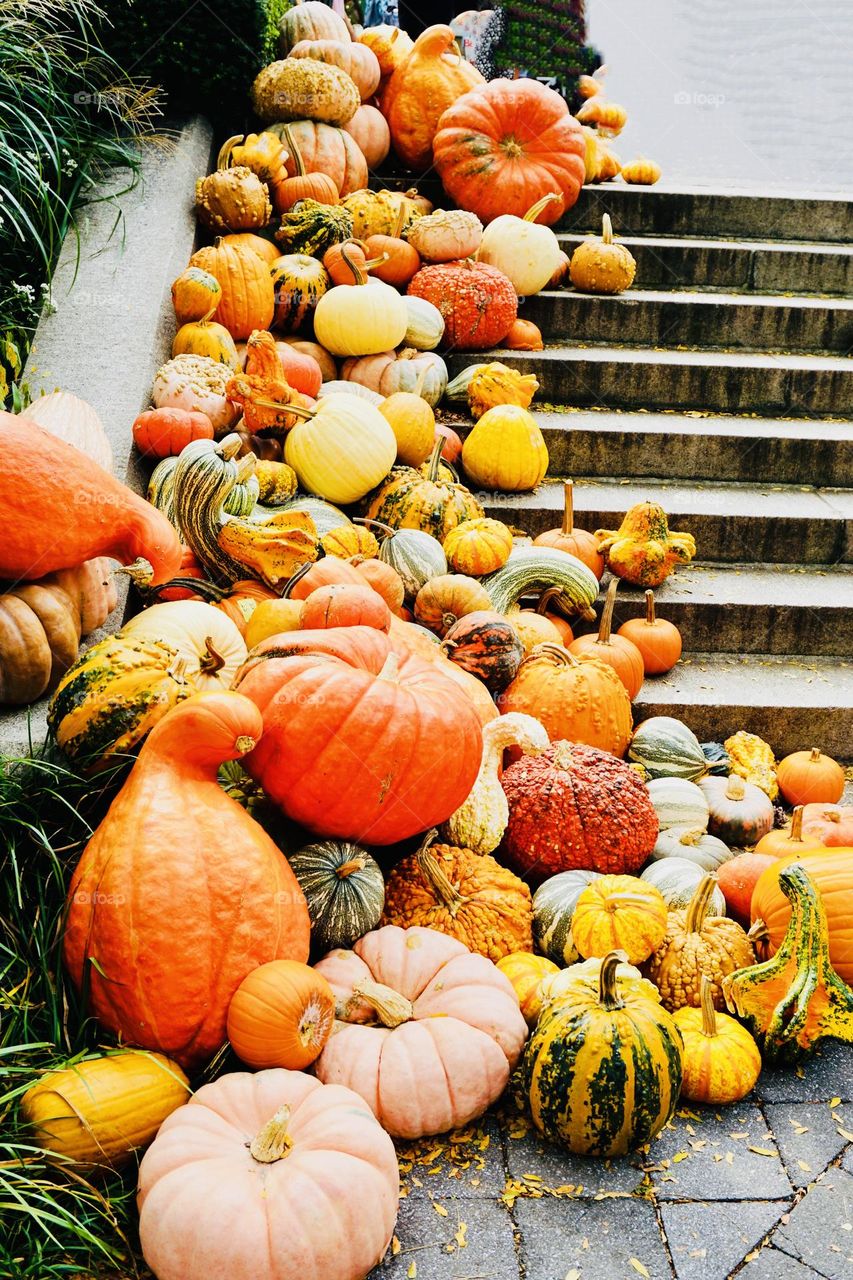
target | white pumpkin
[
  {"x": 446, "y": 235},
  {"x": 696, "y": 846},
  {"x": 426, "y": 324},
  {"x": 676, "y": 879},
  {"x": 522, "y": 249},
  {"x": 361, "y": 319},
  {"x": 196, "y": 382},
  {"x": 351, "y": 389},
  {"x": 342, "y": 450},
  {"x": 206, "y": 638},
  {"x": 73, "y": 420}
]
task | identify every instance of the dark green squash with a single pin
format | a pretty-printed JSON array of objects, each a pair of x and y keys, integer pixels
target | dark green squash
[
  {"x": 344, "y": 890},
  {"x": 666, "y": 748}
]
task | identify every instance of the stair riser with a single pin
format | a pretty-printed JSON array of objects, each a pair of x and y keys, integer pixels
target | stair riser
[
  {"x": 616, "y": 384},
  {"x": 735, "y": 267},
  {"x": 707, "y": 213},
  {"x": 564, "y": 316},
  {"x": 785, "y": 728}
]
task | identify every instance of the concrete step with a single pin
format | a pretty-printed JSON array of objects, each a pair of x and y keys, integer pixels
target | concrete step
[
  {"x": 762, "y": 266},
  {"x": 732, "y": 524},
  {"x": 747, "y": 609},
  {"x": 755, "y": 322},
  {"x": 804, "y": 386},
  {"x": 791, "y": 703},
  {"x": 703, "y": 212}
]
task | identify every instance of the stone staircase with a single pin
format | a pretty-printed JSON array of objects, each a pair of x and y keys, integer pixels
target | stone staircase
[{"x": 722, "y": 387}]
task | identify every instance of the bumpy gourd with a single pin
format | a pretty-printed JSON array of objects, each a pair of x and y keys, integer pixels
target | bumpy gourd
[
  {"x": 479, "y": 823},
  {"x": 643, "y": 550},
  {"x": 311, "y": 227},
  {"x": 752, "y": 759},
  {"x": 696, "y": 943},
  {"x": 496, "y": 383}
]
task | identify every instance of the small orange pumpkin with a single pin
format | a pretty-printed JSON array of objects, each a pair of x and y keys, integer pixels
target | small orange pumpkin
[
  {"x": 577, "y": 542},
  {"x": 618, "y": 652},
  {"x": 342, "y": 604},
  {"x": 810, "y": 777},
  {"x": 281, "y": 1015}
]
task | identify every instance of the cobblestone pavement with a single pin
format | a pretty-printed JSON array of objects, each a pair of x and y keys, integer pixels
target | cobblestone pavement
[{"x": 762, "y": 1190}]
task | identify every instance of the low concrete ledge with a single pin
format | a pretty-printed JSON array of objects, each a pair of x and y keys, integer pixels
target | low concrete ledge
[{"x": 113, "y": 324}]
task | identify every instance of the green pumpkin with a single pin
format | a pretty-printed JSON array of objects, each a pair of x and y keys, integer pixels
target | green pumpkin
[
  {"x": 553, "y": 906},
  {"x": 411, "y": 499},
  {"x": 416, "y": 556},
  {"x": 532, "y": 570},
  {"x": 602, "y": 1071},
  {"x": 311, "y": 227},
  {"x": 344, "y": 890},
  {"x": 666, "y": 748}
]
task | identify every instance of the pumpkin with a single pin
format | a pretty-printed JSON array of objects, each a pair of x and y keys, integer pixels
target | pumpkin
[
  {"x": 738, "y": 878},
  {"x": 583, "y": 702},
  {"x": 350, "y": 540},
  {"x": 608, "y": 116},
  {"x": 585, "y": 1041},
  {"x": 443, "y": 600},
  {"x": 324, "y": 149},
  {"x": 195, "y": 294},
  {"x": 39, "y": 637},
  {"x": 577, "y": 542},
  {"x": 602, "y": 266},
  {"x": 345, "y": 262},
  {"x": 619, "y": 912},
  {"x": 407, "y": 499},
  {"x": 506, "y": 450},
  {"x": 344, "y": 889},
  {"x": 643, "y": 550},
  {"x": 678, "y": 803},
  {"x": 677, "y": 879},
  {"x": 620, "y": 654},
  {"x": 478, "y": 303},
  {"x": 277, "y": 1150},
  {"x": 488, "y": 385},
  {"x": 480, "y": 821},
  {"x": 696, "y": 943},
  {"x": 721, "y": 1061},
  {"x": 560, "y": 274},
  {"x": 534, "y": 629},
  {"x": 527, "y": 253},
  {"x": 204, "y": 338},
  {"x": 487, "y": 645},
  {"x": 553, "y": 906},
  {"x": 312, "y": 351},
  {"x": 793, "y": 1000},
  {"x": 302, "y": 185},
  {"x": 478, "y": 547},
  {"x": 384, "y": 580},
  {"x": 391, "y": 45},
  {"x": 232, "y": 200},
  {"x": 642, "y": 171},
  {"x": 369, "y": 130},
  {"x": 658, "y": 641},
  {"x": 326, "y": 571},
  {"x": 163, "y": 433},
  {"x": 91, "y": 588},
  {"x": 752, "y": 758},
  {"x": 585, "y": 976},
  {"x": 281, "y": 90},
  {"x": 281, "y": 1015},
  {"x": 101, "y": 1110},
  {"x": 502, "y": 149},
  {"x": 467, "y": 896},
  {"x": 426, "y": 325},
  {"x": 830, "y": 871},
  {"x": 532, "y": 569},
  {"x": 666, "y": 748},
  {"x": 526, "y": 972},
  {"x": 446, "y": 236},
  {"x": 415, "y": 556},
  {"x": 810, "y": 777},
  {"x": 395, "y": 260},
  {"x": 309, "y": 20},
  {"x": 421, "y": 88},
  {"x": 740, "y": 813},
  {"x": 451, "y": 448},
  {"x": 311, "y": 226},
  {"x": 299, "y": 282},
  {"x": 325, "y": 694},
  {"x": 694, "y": 845},
  {"x": 199, "y": 384},
  {"x": 605, "y": 164},
  {"x": 382, "y": 212},
  {"x": 413, "y": 423},
  {"x": 357, "y": 60},
  {"x": 575, "y": 807},
  {"x": 429, "y": 1031},
  {"x": 421, "y": 373},
  {"x": 207, "y": 641},
  {"x": 265, "y": 249},
  {"x": 247, "y": 300},
  {"x": 134, "y": 962},
  {"x": 788, "y": 839},
  {"x": 92, "y": 514},
  {"x": 342, "y": 449},
  {"x": 271, "y": 618},
  {"x": 75, "y": 421},
  {"x": 361, "y": 320},
  {"x": 524, "y": 335},
  {"x": 345, "y": 605}
]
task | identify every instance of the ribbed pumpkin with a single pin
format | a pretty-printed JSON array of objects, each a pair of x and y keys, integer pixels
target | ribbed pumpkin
[
  {"x": 342, "y": 604},
  {"x": 697, "y": 943},
  {"x": 586, "y": 1041},
  {"x": 416, "y": 556},
  {"x": 526, "y": 971},
  {"x": 342, "y": 450},
  {"x": 658, "y": 641},
  {"x": 478, "y": 547},
  {"x": 831, "y": 871},
  {"x": 620, "y": 654},
  {"x": 442, "y": 601},
  {"x": 350, "y": 540},
  {"x": 506, "y": 450},
  {"x": 579, "y": 701},
  {"x": 281, "y": 1015},
  {"x": 309, "y": 20},
  {"x": 325, "y": 149},
  {"x": 384, "y": 580},
  {"x": 465, "y": 895},
  {"x": 721, "y": 1061},
  {"x": 679, "y": 803},
  {"x": 577, "y": 542},
  {"x": 619, "y": 913},
  {"x": 357, "y": 60},
  {"x": 536, "y": 626},
  {"x": 789, "y": 839},
  {"x": 413, "y": 423},
  {"x": 247, "y": 300},
  {"x": 410, "y": 500},
  {"x": 369, "y": 130},
  {"x": 195, "y": 294},
  {"x": 554, "y": 904},
  {"x": 478, "y": 303},
  {"x": 694, "y": 845},
  {"x": 487, "y": 645},
  {"x": 831, "y": 824},
  {"x": 102, "y": 1110},
  {"x": 576, "y": 807},
  {"x": 344, "y": 889},
  {"x": 740, "y": 813}
]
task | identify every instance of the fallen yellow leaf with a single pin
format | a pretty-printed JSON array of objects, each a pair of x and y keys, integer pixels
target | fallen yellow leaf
[
  {"x": 412, "y": 1271},
  {"x": 762, "y": 1151},
  {"x": 638, "y": 1266},
  {"x": 440, "y": 1210}
]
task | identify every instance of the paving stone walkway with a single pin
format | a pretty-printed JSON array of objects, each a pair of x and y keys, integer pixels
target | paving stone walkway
[{"x": 762, "y": 1190}]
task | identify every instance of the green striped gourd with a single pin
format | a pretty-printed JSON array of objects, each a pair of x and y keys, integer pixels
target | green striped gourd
[
  {"x": 415, "y": 555},
  {"x": 666, "y": 748},
  {"x": 553, "y": 906},
  {"x": 325, "y": 515},
  {"x": 411, "y": 498},
  {"x": 676, "y": 879},
  {"x": 241, "y": 501},
  {"x": 678, "y": 803},
  {"x": 456, "y": 391},
  {"x": 299, "y": 282},
  {"x": 206, "y": 474},
  {"x": 602, "y": 1071},
  {"x": 344, "y": 889},
  {"x": 532, "y": 570}
]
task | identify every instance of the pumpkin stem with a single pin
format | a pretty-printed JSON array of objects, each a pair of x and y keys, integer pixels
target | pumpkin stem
[
  {"x": 709, "y": 1013},
  {"x": 347, "y": 868},
  {"x": 391, "y": 1008},
  {"x": 223, "y": 160},
  {"x": 438, "y": 881},
  {"x": 199, "y": 586},
  {"x": 535, "y": 209},
  {"x": 376, "y": 262},
  {"x": 554, "y": 653},
  {"x": 797, "y": 823},
  {"x": 691, "y": 837},
  {"x": 358, "y": 275},
  {"x": 390, "y": 668},
  {"x": 397, "y": 229},
  {"x": 697, "y": 908},
  {"x": 211, "y": 661},
  {"x": 606, "y": 625},
  {"x": 650, "y": 608},
  {"x": 140, "y": 572},
  {"x": 606, "y": 230},
  {"x": 759, "y": 934},
  {"x": 550, "y": 596},
  {"x": 273, "y": 1142},
  {"x": 293, "y": 579},
  {"x": 244, "y": 744},
  {"x": 368, "y": 523},
  {"x": 562, "y": 758},
  {"x": 295, "y": 152},
  {"x": 814, "y": 757},
  {"x": 608, "y": 993},
  {"x": 736, "y": 787},
  {"x": 568, "y": 507},
  {"x": 435, "y": 459},
  {"x": 419, "y": 388}
]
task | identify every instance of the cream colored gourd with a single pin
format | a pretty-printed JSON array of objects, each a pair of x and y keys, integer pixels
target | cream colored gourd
[
  {"x": 76, "y": 422},
  {"x": 361, "y": 319},
  {"x": 522, "y": 249},
  {"x": 206, "y": 638},
  {"x": 446, "y": 235},
  {"x": 479, "y": 823},
  {"x": 343, "y": 448}
]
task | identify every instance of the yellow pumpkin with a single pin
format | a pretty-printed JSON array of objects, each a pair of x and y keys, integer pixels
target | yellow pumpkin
[
  {"x": 526, "y": 972},
  {"x": 206, "y": 338},
  {"x": 413, "y": 423},
  {"x": 641, "y": 171},
  {"x": 721, "y": 1061},
  {"x": 619, "y": 913},
  {"x": 361, "y": 319},
  {"x": 478, "y": 547},
  {"x": 343, "y": 448},
  {"x": 601, "y": 265},
  {"x": 204, "y": 637},
  {"x": 271, "y": 618},
  {"x": 506, "y": 450}
]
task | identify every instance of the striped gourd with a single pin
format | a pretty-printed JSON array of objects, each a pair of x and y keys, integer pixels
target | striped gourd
[
  {"x": 206, "y": 474},
  {"x": 241, "y": 501},
  {"x": 299, "y": 282},
  {"x": 415, "y": 555},
  {"x": 325, "y": 515},
  {"x": 553, "y": 906},
  {"x": 696, "y": 845},
  {"x": 344, "y": 889},
  {"x": 456, "y": 390},
  {"x": 602, "y": 1071},
  {"x": 676, "y": 879},
  {"x": 410, "y": 499},
  {"x": 531, "y": 570},
  {"x": 113, "y": 696},
  {"x": 666, "y": 748},
  {"x": 678, "y": 803}
]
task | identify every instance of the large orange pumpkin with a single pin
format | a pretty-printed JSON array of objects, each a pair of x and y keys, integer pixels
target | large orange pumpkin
[
  {"x": 180, "y": 894},
  {"x": 359, "y": 741},
  {"x": 421, "y": 89},
  {"x": 478, "y": 303},
  {"x": 502, "y": 148},
  {"x": 248, "y": 299},
  {"x": 831, "y": 870}
]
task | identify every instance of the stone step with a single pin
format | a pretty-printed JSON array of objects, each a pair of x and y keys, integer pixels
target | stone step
[
  {"x": 703, "y": 212},
  {"x": 804, "y": 386},
  {"x": 791, "y": 703},
  {"x": 762, "y": 266},
  {"x": 733, "y": 524},
  {"x": 749, "y": 609},
  {"x": 756, "y": 322}
]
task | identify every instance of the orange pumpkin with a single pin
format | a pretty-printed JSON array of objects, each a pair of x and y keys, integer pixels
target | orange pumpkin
[
  {"x": 577, "y": 542},
  {"x": 391, "y": 45},
  {"x": 658, "y": 641},
  {"x": 315, "y": 185},
  {"x": 326, "y": 149},
  {"x": 620, "y": 654},
  {"x": 524, "y": 335},
  {"x": 421, "y": 89},
  {"x": 784, "y": 840},
  {"x": 353, "y": 57},
  {"x": 810, "y": 777},
  {"x": 478, "y": 303},
  {"x": 322, "y": 574},
  {"x": 265, "y": 249},
  {"x": 343, "y": 604},
  {"x": 281, "y": 1015},
  {"x": 163, "y": 433},
  {"x": 369, "y": 128},
  {"x": 831, "y": 870},
  {"x": 830, "y": 824},
  {"x": 384, "y": 579},
  {"x": 247, "y": 300}
]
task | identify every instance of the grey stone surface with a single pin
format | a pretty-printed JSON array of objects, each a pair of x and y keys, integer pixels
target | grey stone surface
[
  {"x": 708, "y": 1240},
  {"x": 827, "y": 1074},
  {"x": 556, "y": 1167},
  {"x": 771, "y": 1264},
  {"x": 468, "y": 1163},
  {"x": 808, "y": 1136},
  {"x": 704, "y": 1154},
  {"x": 819, "y": 1231},
  {"x": 429, "y": 1241},
  {"x": 596, "y": 1238}
]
